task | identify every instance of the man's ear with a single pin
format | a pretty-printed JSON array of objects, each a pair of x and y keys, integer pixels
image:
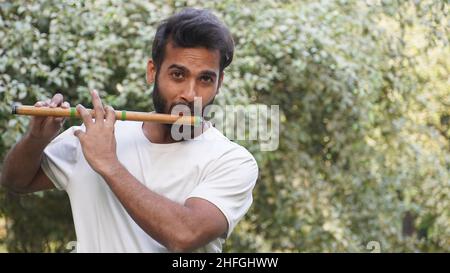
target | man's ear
[
  {"x": 220, "y": 81},
  {"x": 151, "y": 71}
]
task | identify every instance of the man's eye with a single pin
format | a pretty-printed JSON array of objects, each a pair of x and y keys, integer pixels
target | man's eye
[
  {"x": 177, "y": 75},
  {"x": 206, "y": 79}
]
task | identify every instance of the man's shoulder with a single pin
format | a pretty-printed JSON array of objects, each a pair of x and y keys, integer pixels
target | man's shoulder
[{"x": 226, "y": 148}]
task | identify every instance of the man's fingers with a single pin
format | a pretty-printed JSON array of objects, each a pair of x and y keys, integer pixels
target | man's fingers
[
  {"x": 37, "y": 121},
  {"x": 39, "y": 104},
  {"x": 56, "y": 100},
  {"x": 59, "y": 120},
  {"x": 85, "y": 116},
  {"x": 65, "y": 105},
  {"x": 79, "y": 134},
  {"x": 98, "y": 107},
  {"x": 110, "y": 116}
]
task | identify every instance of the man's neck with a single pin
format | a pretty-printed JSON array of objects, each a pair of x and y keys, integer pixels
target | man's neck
[{"x": 157, "y": 132}]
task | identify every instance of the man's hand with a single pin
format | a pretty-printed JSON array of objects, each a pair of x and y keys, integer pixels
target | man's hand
[
  {"x": 98, "y": 142},
  {"x": 47, "y": 128},
  {"x": 21, "y": 171}
]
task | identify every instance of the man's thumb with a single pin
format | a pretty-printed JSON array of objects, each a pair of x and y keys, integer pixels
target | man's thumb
[{"x": 79, "y": 134}]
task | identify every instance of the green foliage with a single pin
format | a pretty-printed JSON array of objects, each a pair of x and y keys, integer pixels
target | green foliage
[{"x": 363, "y": 93}]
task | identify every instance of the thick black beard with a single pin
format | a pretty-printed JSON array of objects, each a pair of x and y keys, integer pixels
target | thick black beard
[{"x": 159, "y": 103}]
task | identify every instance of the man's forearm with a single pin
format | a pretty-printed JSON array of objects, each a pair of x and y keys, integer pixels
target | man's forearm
[
  {"x": 22, "y": 163},
  {"x": 164, "y": 220}
]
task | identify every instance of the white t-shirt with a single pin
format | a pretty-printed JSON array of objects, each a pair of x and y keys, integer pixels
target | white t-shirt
[{"x": 209, "y": 167}]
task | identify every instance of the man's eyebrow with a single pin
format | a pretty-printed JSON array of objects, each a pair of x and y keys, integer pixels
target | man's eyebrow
[
  {"x": 210, "y": 73},
  {"x": 178, "y": 66}
]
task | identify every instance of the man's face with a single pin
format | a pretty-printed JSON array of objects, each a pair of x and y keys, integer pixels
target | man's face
[{"x": 185, "y": 73}]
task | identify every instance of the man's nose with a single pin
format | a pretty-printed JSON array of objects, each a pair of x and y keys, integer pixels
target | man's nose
[{"x": 189, "y": 92}]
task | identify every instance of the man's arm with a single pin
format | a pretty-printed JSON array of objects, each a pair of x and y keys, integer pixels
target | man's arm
[
  {"x": 21, "y": 170},
  {"x": 178, "y": 227}
]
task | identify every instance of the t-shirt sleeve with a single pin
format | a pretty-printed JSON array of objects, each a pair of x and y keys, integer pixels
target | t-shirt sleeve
[
  {"x": 60, "y": 158},
  {"x": 228, "y": 184}
]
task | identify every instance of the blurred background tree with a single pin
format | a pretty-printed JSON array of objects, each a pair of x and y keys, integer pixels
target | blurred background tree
[{"x": 363, "y": 90}]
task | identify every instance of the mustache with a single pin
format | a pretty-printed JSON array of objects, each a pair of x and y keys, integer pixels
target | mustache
[{"x": 185, "y": 107}]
